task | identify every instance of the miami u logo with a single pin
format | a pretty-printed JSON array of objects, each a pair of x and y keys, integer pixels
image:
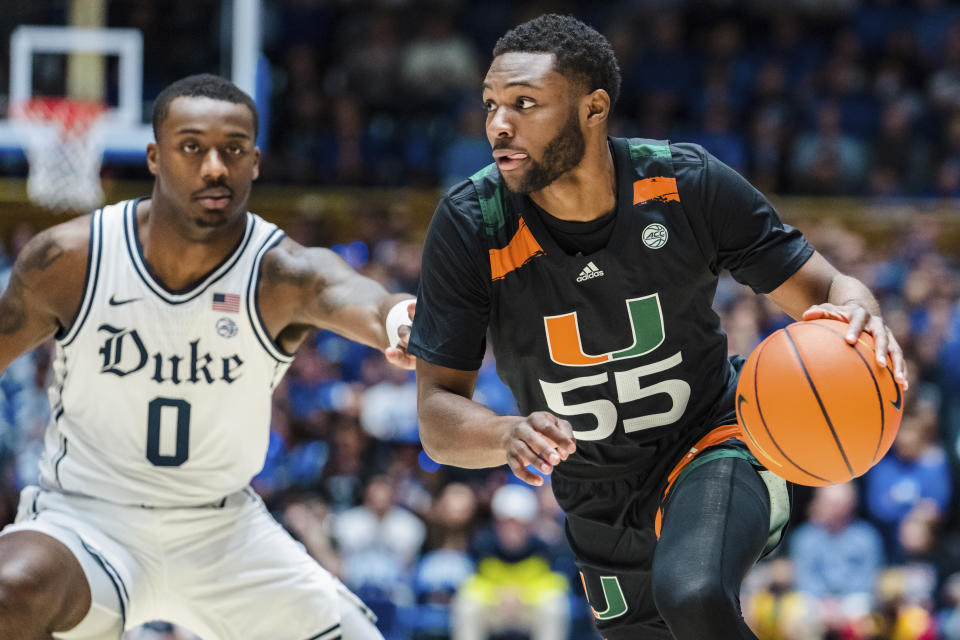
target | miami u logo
[
  {"x": 566, "y": 348},
  {"x": 600, "y": 416},
  {"x": 612, "y": 594}
]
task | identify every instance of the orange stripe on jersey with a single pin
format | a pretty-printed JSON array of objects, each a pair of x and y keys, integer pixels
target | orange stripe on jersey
[
  {"x": 660, "y": 189},
  {"x": 521, "y": 249},
  {"x": 718, "y": 435}
]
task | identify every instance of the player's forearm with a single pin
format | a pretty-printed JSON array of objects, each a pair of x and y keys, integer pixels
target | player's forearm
[
  {"x": 363, "y": 318},
  {"x": 457, "y": 431},
  {"x": 846, "y": 289}
]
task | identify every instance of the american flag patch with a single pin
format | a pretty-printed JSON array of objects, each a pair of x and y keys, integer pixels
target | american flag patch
[{"x": 229, "y": 302}]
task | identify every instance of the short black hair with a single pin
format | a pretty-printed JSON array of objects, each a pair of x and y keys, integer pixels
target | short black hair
[
  {"x": 202, "y": 85},
  {"x": 581, "y": 51}
]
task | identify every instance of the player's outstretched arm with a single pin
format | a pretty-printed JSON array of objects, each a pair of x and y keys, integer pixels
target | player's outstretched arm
[
  {"x": 314, "y": 287},
  {"x": 45, "y": 288},
  {"x": 818, "y": 290},
  {"x": 457, "y": 431}
]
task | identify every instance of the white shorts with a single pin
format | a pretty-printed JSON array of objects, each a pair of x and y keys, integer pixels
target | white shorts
[{"x": 226, "y": 572}]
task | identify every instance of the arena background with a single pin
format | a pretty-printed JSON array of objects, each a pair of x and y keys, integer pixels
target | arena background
[{"x": 845, "y": 112}]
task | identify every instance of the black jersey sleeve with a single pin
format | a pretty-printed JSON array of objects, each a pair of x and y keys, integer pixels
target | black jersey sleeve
[
  {"x": 742, "y": 229},
  {"x": 453, "y": 300}
]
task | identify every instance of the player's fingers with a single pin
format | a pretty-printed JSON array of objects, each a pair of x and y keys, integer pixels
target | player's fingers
[
  {"x": 881, "y": 339},
  {"x": 518, "y": 465},
  {"x": 543, "y": 449},
  {"x": 568, "y": 443},
  {"x": 858, "y": 320},
  {"x": 558, "y": 431},
  {"x": 400, "y": 358},
  {"x": 825, "y": 310},
  {"x": 896, "y": 358},
  {"x": 412, "y": 309}
]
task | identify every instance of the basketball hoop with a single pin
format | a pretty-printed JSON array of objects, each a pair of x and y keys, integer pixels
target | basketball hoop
[{"x": 64, "y": 143}]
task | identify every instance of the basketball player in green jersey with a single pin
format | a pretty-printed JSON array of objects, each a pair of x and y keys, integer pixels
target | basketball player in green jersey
[{"x": 593, "y": 261}]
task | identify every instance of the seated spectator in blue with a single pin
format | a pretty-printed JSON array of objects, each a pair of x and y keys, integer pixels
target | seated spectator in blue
[
  {"x": 721, "y": 137},
  {"x": 914, "y": 471},
  {"x": 514, "y": 588},
  {"x": 445, "y": 565},
  {"x": 379, "y": 543},
  {"x": 828, "y": 161},
  {"x": 438, "y": 576},
  {"x": 388, "y": 408},
  {"x": 837, "y": 557}
]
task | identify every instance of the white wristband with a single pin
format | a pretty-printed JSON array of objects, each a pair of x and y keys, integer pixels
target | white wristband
[{"x": 398, "y": 316}]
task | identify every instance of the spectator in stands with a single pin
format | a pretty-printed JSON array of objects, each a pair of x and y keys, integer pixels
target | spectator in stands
[
  {"x": 372, "y": 61},
  {"x": 446, "y": 563},
  {"x": 898, "y": 616},
  {"x": 378, "y": 542},
  {"x": 389, "y": 407},
  {"x": 837, "y": 557},
  {"x": 342, "y": 476},
  {"x": 776, "y": 610},
  {"x": 900, "y": 157},
  {"x": 439, "y": 62},
  {"x": 514, "y": 588},
  {"x": 827, "y": 161},
  {"x": 913, "y": 475}
]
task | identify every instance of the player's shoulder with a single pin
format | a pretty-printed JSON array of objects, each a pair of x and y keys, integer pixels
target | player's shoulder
[
  {"x": 288, "y": 260},
  {"x": 482, "y": 206},
  {"x": 464, "y": 198},
  {"x": 65, "y": 244},
  {"x": 647, "y": 150},
  {"x": 52, "y": 266},
  {"x": 688, "y": 153}
]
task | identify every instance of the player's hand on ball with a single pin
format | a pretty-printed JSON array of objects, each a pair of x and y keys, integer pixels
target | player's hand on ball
[
  {"x": 861, "y": 320},
  {"x": 541, "y": 440}
]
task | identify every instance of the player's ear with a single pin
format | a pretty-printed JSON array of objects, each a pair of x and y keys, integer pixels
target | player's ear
[
  {"x": 597, "y": 107},
  {"x": 152, "y": 151},
  {"x": 256, "y": 162}
]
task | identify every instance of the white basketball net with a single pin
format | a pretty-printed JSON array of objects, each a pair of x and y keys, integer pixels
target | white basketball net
[{"x": 64, "y": 143}]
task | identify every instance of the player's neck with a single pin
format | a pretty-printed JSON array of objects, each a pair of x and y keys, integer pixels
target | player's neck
[
  {"x": 175, "y": 258},
  {"x": 586, "y": 192}
]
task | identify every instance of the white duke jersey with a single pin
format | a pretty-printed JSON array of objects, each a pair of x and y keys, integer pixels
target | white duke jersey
[{"x": 162, "y": 398}]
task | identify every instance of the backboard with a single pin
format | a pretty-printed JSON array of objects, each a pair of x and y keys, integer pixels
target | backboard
[{"x": 123, "y": 52}]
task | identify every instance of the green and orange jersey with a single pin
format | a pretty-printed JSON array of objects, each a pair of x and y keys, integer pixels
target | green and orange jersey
[{"x": 609, "y": 323}]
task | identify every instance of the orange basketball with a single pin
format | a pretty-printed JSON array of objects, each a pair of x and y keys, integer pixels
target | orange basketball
[{"x": 814, "y": 409}]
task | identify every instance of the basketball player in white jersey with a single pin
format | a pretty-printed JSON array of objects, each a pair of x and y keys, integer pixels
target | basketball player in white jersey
[{"x": 175, "y": 316}]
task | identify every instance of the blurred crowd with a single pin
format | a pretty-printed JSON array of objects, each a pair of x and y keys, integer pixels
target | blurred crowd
[
  {"x": 442, "y": 553},
  {"x": 802, "y": 96}
]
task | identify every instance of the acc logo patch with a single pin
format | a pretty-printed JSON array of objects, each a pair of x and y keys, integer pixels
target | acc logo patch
[
  {"x": 655, "y": 235},
  {"x": 226, "y": 328}
]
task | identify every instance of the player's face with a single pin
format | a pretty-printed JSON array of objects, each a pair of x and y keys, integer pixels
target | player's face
[
  {"x": 205, "y": 160},
  {"x": 533, "y": 120}
]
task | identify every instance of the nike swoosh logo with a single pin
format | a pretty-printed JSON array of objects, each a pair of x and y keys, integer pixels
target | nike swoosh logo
[
  {"x": 116, "y": 303},
  {"x": 899, "y": 401}
]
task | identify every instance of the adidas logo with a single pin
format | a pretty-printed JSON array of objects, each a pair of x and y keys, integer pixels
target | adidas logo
[{"x": 589, "y": 271}]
